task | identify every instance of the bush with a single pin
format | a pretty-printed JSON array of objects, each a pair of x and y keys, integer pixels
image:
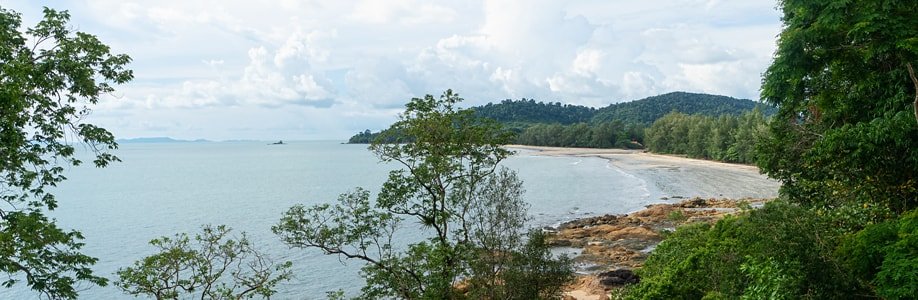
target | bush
[
  {"x": 779, "y": 251},
  {"x": 885, "y": 256},
  {"x": 534, "y": 273}
]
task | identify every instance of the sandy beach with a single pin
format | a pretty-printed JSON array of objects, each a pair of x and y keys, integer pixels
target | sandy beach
[
  {"x": 678, "y": 177},
  {"x": 696, "y": 189}
]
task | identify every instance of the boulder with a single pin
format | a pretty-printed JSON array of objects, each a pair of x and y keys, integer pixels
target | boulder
[{"x": 618, "y": 277}]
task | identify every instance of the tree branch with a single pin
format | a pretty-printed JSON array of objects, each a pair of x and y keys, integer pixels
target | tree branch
[
  {"x": 338, "y": 251},
  {"x": 911, "y": 73}
]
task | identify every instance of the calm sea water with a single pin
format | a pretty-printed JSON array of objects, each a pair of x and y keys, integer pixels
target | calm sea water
[{"x": 162, "y": 189}]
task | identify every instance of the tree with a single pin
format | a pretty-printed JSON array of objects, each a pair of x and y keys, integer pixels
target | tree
[
  {"x": 882, "y": 256},
  {"x": 728, "y": 138},
  {"x": 469, "y": 211},
  {"x": 219, "y": 267},
  {"x": 845, "y": 134},
  {"x": 50, "y": 77}
]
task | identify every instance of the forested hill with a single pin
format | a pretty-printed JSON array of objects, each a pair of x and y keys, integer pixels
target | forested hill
[
  {"x": 629, "y": 117},
  {"x": 530, "y": 111},
  {"x": 650, "y": 109},
  {"x": 643, "y": 111}
]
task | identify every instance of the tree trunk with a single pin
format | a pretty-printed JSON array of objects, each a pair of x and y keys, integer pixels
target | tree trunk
[{"x": 911, "y": 73}]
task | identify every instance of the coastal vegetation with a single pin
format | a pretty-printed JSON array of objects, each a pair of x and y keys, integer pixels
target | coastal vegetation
[
  {"x": 843, "y": 143},
  {"x": 523, "y": 112},
  {"x": 450, "y": 222},
  {"x": 728, "y": 138},
  {"x": 50, "y": 76},
  {"x": 845, "y": 135},
  {"x": 213, "y": 265},
  {"x": 641, "y": 111},
  {"x": 468, "y": 211},
  {"x": 648, "y": 110},
  {"x": 779, "y": 251},
  {"x": 606, "y": 135},
  {"x": 620, "y": 125}
]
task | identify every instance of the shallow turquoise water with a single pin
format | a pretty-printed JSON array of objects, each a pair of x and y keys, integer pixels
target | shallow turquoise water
[{"x": 162, "y": 189}]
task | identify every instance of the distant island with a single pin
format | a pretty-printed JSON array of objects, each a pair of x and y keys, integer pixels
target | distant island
[
  {"x": 159, "y": 140},
  {"x": 164, "y": 140}
]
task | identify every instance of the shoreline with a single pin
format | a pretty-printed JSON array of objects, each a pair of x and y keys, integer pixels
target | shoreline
[
  {"x": 612, "y": 245},
  {"x": 677, "y": 178},
  {"x": 606, "y": 152}
]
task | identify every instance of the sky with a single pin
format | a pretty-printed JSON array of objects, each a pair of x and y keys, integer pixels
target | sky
[{"x": 325, "y": 69}]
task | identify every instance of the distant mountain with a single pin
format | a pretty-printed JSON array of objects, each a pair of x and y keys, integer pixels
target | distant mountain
[
  {"x": 643, "y": 111},
  {"x": 518, "y": 115},
  {"x": 158, "y": 140},
  {"x": 650, "y": 109}
]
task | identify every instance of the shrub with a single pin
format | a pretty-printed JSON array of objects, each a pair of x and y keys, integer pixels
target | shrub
[
  {"x": 885, "y": 256},
  {"x": 779, "y": 251}
]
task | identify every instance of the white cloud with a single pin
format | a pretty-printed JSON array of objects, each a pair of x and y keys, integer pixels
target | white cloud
[
  {"x": 588, "y": 62},
  {"x": 358, "y": 61},
  {"x": 261, "y": 83},
  {"x": 405, "y": 12},
  {"x": 305, "y": 46},
  {"x": 377, "y": 86},
  {"x": 213, "y": 63}
]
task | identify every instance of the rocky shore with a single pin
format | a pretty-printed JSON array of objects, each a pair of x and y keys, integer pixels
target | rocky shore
[
  {"x": 611, "y": 246},
  {"x": 607, "y": 248}
]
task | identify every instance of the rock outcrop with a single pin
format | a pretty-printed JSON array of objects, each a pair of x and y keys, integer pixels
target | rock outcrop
[{"x": 612, "y": 246}]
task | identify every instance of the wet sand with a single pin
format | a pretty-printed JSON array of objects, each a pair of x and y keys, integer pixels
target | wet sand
[{"x": 678, "y": 177}]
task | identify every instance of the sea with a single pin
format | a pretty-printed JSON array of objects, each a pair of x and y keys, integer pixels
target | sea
[{"x": 160, "y": 189}]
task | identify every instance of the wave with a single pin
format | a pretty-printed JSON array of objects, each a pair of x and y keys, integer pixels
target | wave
[{"x": 642, "y": 185}]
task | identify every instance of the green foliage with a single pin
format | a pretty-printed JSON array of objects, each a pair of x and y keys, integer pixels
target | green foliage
[
  {"x": 670, "y": 271},
  {"x": 385, "y": 136},
  {"x": 534, "y": 273},
  {"x": 845, "y": 135},
  {"x": 885, "y": 256},
  {"x": 532, "y": 112},
  {"x": 642, "y": 111},
  {"x": 470, "y": 211},
  {"x": 335, "y": 295},
  {"x": 677, "y": 216},
  {"x": 863, "y": 251},
  {"x": 648, "y": 110},
  {"x": 779, "y": 251},
  {"x": 770, "y": 279},
  {"x": 605, "y": 135},
  {"x": 364, "y": 137},
  {"x": 50, "y": 77},
  {"x": 844, "y": 145},
  {"x": 725, "y": 138},
  {"x": 616, "y": 126},
  {"x": 619, "y": 125},
  {"x": 214, "y": 266},
  {"x": 899, "y": 273},
  {"x": 529, "y": 273}
]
